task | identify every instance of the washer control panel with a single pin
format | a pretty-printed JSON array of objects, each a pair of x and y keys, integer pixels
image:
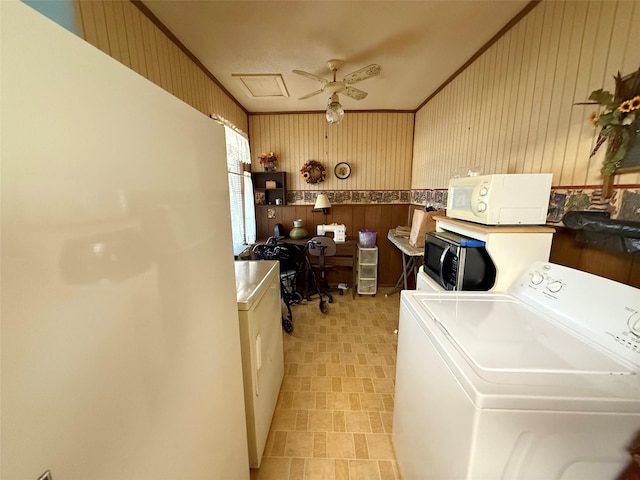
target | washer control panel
[
  {"x": 543, "y": 282},
  {"x": 634, "y": 324},
  {"x": 604, "y": 311}
]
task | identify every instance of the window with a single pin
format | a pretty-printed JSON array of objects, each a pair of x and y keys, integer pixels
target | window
[{"x": 243, "y": 217}]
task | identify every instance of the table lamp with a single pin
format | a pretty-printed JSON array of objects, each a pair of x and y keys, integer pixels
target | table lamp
[{"x": 322, "y": 203}]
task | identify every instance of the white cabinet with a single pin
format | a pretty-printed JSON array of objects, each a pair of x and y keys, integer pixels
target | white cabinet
[
  {"x": 367, "y": 270},
  {"x": 260, "y": 315},
  {"x": 512, "y": 248},
  {"x": 425, "y": 283}
]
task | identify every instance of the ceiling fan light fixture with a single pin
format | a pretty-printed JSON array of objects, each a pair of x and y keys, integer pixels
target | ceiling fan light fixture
[{"x": 335, "y": 112}]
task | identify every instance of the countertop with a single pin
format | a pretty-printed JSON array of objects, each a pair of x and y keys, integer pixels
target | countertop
[{"x": 496, "y": 228}]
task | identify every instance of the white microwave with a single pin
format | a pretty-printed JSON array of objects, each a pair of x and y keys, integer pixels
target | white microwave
[{"x": 502, "y": 199}]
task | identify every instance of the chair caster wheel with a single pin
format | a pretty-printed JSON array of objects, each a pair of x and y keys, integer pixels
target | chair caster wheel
[{"x": 323, "y": 307}]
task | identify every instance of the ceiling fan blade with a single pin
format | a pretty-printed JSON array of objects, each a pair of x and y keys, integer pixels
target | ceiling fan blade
[
  {"x": 362, "y": 74},
  {"x": 311, "y": 76},
  {"x": 310, "y": 95},
  {"x": 354, "y": 93}
]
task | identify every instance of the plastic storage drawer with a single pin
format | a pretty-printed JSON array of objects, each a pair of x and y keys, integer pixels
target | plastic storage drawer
[
  {"x": 369, "y": 256},
  {"x": 368, "y": 271},
  {"x": 367, "y": 286}
]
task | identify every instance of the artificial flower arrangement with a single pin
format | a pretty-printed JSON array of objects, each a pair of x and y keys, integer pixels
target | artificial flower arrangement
[
  {"x": 620, "y": 120},
  {"x": 268, "y": 161},
  {"x": 313, "y": 172}
]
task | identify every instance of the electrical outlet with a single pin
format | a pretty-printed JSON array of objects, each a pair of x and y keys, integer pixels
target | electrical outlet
[{"x": 46, "y": 476}]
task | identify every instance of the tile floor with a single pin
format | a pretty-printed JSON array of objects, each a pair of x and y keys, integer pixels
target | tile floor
[{"x": 334, "y": 413}]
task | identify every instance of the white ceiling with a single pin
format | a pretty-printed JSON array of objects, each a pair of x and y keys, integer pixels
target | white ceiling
[{"x": 418, "y": 44}]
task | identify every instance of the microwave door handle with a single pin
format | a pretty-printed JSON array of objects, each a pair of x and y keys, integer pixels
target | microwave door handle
[{"x": 442, "y": 259}]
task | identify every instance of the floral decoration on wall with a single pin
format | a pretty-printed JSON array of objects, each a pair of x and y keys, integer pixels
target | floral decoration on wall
[
  {"x": 313, "y": 172},
  {"x": 620, "y": 120},
  {"x": 268, "y": 161}
]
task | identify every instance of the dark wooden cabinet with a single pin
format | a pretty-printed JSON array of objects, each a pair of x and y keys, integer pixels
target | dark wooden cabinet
[{"x": 270, "y": 188}]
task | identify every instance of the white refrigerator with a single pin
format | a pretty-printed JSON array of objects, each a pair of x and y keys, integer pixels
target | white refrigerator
[{"x": 120, "y": 350}]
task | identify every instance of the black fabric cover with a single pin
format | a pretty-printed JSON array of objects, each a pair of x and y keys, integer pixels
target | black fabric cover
[
  {"x": 596, "y": 228},
  {"x": 280, "y": 232}
]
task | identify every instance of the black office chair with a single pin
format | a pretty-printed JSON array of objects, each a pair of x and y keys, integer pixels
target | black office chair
[{"x": 322, "y": 247}]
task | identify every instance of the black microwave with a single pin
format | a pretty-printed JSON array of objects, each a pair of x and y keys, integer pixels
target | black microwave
[{"x": 456, "y": 262}]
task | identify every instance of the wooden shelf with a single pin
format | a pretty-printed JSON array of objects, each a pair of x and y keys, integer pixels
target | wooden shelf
[
  {"x": 488, "y": 229},
  {"x": 268, "y": 196}
]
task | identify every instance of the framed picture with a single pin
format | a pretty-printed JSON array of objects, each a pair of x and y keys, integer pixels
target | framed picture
[
  {"x": 342, "y": 170},
  {"x": 260, "y": 198}
]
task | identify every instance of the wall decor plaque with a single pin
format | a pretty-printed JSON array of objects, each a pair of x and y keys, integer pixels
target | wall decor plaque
[{"x": 342, "y": 170}]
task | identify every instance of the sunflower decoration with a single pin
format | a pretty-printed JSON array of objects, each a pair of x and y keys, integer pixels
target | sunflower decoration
[
  {"x": 313, "y": 172},
  {"x": 619, "y": 120}
]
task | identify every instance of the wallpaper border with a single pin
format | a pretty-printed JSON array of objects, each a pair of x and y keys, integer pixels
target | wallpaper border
[
  {"x": 350, "y": 197},
  {"x": 624, "y": 203}
]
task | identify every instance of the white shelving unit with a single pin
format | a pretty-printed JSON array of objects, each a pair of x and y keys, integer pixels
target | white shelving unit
[
  {"x": 367, "y": 270},
  {"x": 512, "y": 249}
]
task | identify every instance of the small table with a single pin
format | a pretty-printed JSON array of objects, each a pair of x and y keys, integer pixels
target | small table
[{"x": 411, "y": 260}]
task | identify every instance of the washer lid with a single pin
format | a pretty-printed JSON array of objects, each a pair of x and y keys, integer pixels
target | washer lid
[{"x": 498, "y": 333}]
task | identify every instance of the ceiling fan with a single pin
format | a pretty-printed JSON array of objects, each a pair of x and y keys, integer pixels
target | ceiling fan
[
  {"x": 335, "y": 112},
  {"x": 335, "y": 87}
]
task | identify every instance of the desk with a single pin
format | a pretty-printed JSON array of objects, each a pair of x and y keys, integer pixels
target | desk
[{"x": 411, "y": 260}]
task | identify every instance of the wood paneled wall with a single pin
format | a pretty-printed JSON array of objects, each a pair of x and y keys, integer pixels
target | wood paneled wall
[
  {"x": 621, "y": 267},
  {"x": 378, "y": 147},
  {"x": 121, "y": 30},
  {"x": 513, "y": 110},
  {"x": 565, "y": 250},
  {"x": 380, "y": 218}
]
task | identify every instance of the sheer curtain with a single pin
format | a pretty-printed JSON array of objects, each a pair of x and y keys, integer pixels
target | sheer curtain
[{"x": 243, "y": 218}]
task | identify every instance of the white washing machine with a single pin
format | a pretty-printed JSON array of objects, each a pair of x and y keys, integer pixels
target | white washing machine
[{"x": 539, "y": 383}]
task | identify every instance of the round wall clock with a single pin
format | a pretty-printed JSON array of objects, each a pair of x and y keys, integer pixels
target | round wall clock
[{"x": 342, "y": 170}]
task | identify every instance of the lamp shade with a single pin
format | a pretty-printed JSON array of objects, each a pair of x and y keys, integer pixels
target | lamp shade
[{"x": 322, "y": 202}]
